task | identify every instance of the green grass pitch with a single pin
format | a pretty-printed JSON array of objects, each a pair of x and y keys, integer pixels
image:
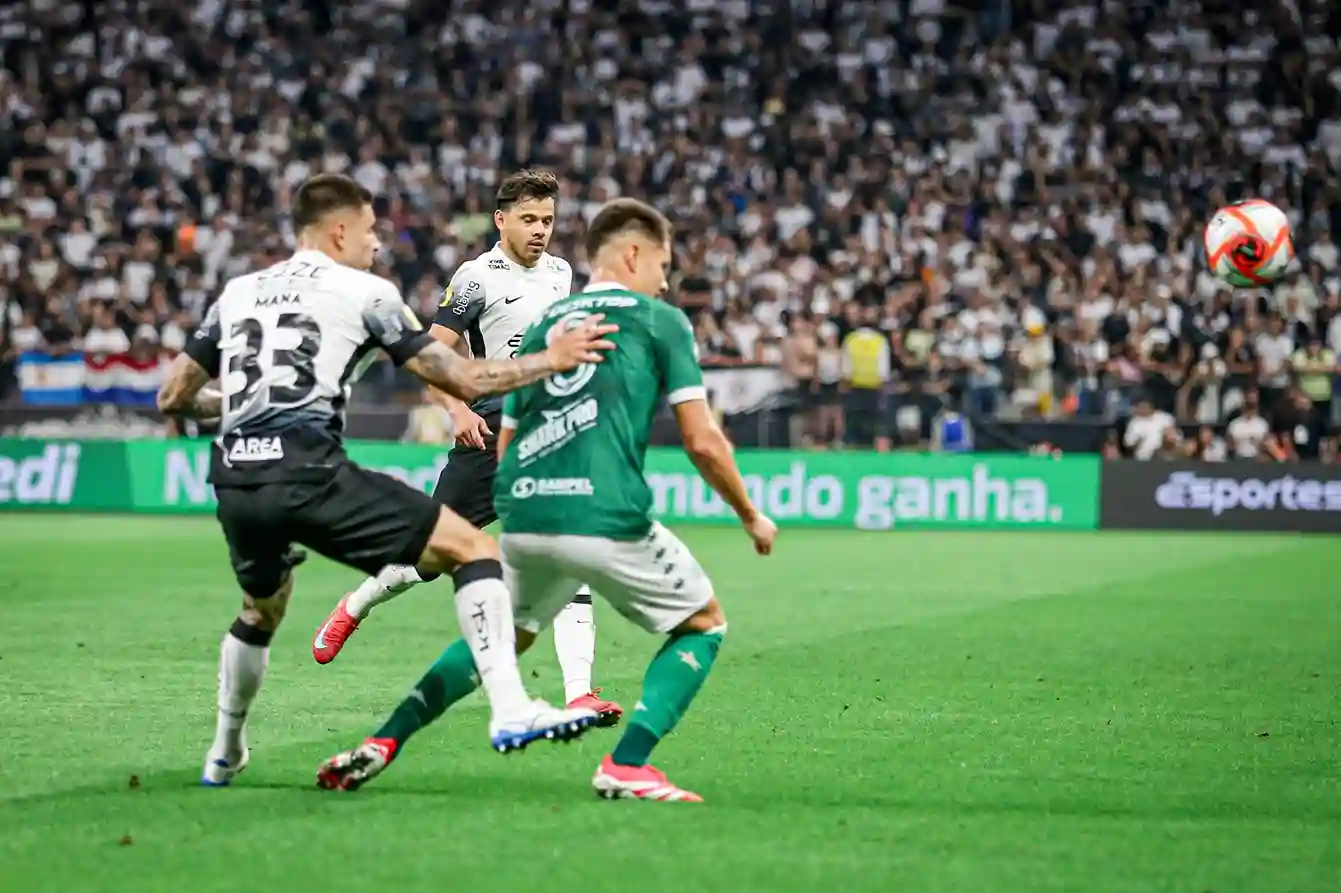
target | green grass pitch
[{"x": 900, "y": 711}]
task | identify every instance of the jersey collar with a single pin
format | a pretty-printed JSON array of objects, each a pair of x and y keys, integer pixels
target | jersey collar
[
  {"x": 513, "y": 266},
  {"x": 313, "y": 255},
  {"x": 604, "y": 286}
]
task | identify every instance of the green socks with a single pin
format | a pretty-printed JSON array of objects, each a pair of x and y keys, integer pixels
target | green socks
[
  {"x": 673, "y": 679},
  {"x": 450, "y": 679}
]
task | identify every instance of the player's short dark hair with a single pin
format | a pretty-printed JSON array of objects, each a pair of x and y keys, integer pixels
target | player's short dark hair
[
  {"x": 625, "y": 215},
  {"x": 325, "y": 193},
  {"x": 527, "y": 185}
]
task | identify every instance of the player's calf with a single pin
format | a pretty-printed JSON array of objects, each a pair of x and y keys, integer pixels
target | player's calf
[
  {"x": 244, "y": 656},
  {"x": 483, "y": 608},
  {"x": 673, "y": 679}
]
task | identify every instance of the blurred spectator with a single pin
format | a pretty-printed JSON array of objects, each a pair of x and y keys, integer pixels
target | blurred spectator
[
  {"x": 429, "y": 422},
  {"x": 1171, "y": 445},
  {"x": 1000, "y": 212},
  {"x": 866, "y": 375},
  {"x": 829, "y": 419},
  {"x": 1146, "y": 430},
  {"x": 1274, "y": 347},
  {"x": 8, "y": 357},
  {"x": 1208, "y": 446},
  {"x": 1316, "y": 369},
  {"x": 1248, "y": 430}
]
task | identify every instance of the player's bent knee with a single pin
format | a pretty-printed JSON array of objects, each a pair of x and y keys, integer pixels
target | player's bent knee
[
  {"x": 707, "y": 619},
  {"x": 267, "y": 613}
]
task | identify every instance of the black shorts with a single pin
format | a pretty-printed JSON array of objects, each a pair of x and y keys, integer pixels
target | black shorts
[
  {"x": 466, "y": 484},
  {"x": 357, "y": 517}
]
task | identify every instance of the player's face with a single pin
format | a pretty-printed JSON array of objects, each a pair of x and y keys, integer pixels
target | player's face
[
  {"x": 526, "y": 228},
  {"x": 650, "y": 262},
  {"x": 356, "y": 237}
]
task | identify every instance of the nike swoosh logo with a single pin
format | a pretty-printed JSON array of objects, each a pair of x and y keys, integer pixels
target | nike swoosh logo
[
  {"x": 320, "y": 643},
  {"x": 512, "y": 300}
]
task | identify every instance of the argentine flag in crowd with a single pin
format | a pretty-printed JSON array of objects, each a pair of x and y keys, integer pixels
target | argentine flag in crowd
[{"x": 74, "y": 378}]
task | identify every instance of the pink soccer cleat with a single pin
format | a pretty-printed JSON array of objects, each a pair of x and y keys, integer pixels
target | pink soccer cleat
[
  {"x": 608, "y": 712},
  {"x": 615, "y": 782}
]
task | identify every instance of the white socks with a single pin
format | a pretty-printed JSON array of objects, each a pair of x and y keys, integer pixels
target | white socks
[
  {"x": 241, "y": 672},
  {"x": 575, "y": 645},
  {"x": 390, "y": 582},
  {"x": 484, "y": 608}
]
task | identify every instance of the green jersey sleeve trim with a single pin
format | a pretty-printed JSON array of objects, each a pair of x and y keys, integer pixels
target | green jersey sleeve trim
[{"x": 507, "y": 422}]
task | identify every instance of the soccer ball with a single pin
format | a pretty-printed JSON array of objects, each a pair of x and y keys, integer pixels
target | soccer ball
[{"x": 1248, "y": 243}]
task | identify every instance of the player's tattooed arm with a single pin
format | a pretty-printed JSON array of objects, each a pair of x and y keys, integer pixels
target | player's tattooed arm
[
  {"x": 184, "y": 393},
  {"x": 444, "y": 368},
  {"x": 470, "y": 380}
]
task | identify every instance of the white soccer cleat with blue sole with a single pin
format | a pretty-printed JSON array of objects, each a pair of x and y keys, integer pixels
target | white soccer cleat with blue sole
[
  {"x": 220, "y": 771},
  {"x": 542, "y": 722}
]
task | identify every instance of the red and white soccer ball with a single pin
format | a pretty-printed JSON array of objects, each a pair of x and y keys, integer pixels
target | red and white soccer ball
[{"x": 1248, "y": 243}]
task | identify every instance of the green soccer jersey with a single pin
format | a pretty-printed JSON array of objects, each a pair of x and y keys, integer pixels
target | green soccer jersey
[{"x": 575, "y": 463}]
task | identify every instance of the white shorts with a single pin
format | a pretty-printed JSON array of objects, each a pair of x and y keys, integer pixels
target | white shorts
[{"x": 654, "y": 581}]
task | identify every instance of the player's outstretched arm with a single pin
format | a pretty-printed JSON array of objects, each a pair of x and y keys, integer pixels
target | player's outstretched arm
[
  {"x": 184, "y": 393},
  {"x": 447, "y": 370},
  {"x": 712, "y": 455}
]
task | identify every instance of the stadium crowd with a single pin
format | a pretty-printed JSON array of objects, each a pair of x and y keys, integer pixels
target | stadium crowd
[{"x": 996, "y": 205}]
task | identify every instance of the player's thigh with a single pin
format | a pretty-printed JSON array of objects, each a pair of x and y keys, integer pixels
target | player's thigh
[
  {"x": 536, "y": 574},
  {"x": 466, "y": 485},
  {"x": 364, "y": 519},
  {"x": 256, "y": 528},
  {"x": 655, "y": 582}
]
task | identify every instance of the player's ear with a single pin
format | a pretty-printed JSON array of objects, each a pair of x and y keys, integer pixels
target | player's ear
[{"x": 498, "y": 220}]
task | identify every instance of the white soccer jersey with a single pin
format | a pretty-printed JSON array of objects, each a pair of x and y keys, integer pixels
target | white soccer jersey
[
  {"x": 492, "y": 301},
  {"x": 285, "y": 342}
]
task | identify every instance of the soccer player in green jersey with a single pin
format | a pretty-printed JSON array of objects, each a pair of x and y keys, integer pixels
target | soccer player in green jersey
[{"x": 576, "y": 509}]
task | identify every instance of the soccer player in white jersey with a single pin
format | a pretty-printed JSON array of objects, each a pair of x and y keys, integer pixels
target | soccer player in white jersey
[
  {"x": 284, "y": 344},
  {"x": 489, "y": 304}
]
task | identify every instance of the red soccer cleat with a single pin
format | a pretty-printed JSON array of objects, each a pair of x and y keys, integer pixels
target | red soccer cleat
[
  {"x": 609, "y": 712},
  {"x": 614, "y": 782},
  {"x": 352, "y": 769},
  {"x": 332, "y": 635}
]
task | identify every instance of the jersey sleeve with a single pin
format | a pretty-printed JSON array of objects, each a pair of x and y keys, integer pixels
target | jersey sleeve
[
  {"x": 677, "y": 356},
  {"x": 463, "y": 301},
  {"x": 511, "y": 409},
  {"x": 205, "y": 345},
  {"x": 394, "y": 327}
]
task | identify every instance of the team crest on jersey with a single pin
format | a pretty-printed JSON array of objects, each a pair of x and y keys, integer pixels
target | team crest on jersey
[
  {"x": 554, "y": 265},
  {"x": 566, "y": 384}
]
